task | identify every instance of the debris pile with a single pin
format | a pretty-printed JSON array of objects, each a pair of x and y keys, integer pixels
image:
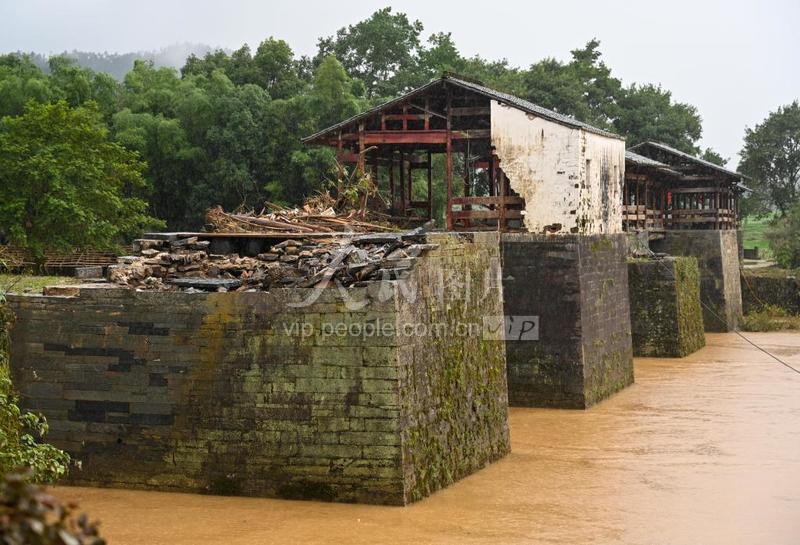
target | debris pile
[
  {"x": 185, "y": 263},
  {"x": 312, "y": 217}
]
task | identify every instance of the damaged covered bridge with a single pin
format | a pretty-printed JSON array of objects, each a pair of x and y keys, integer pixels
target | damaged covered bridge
[{"x": 508, "y": 164}]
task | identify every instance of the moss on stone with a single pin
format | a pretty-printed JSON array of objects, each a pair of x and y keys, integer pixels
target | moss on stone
[{"x": 666, "y": 316}]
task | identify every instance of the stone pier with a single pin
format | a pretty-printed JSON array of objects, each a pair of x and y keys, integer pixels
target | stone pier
[
  {"x": 577, "y": 287},
  {"x": 717, "y": 253},
  {"x": 382, "y": 393},
  {"x": 666, "y": 317}
]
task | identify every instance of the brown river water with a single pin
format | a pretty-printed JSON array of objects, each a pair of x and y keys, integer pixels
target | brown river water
[{"x": 701, "y": 450}]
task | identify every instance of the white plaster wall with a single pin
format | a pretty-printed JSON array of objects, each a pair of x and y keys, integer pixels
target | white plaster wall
[
  {"x": 601, "y": 195},
  {"x": 546, "y": 164},
  {"x": 542, "y": 162}
]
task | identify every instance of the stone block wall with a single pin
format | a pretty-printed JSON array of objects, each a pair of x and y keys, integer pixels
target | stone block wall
[
  {"x": 249, "y": 394},
  {"x": 770, "y": 288},
  {"x": 666, "y": 316},
  {"x": 717, "y": 254},
  {"x": 454, "y": 393},
  {"x": 578, "y": 288}
]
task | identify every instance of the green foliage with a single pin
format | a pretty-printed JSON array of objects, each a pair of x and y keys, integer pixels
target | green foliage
[
  {"x": 63, "y": 184},
  {"x": 19, "y": 430},
  {"x": 30, "y": 516},
  {"x": 771, "y": 158},
  {"x": 20, "y": 82},
  {"x": 380, "y": 51},
  {"x": 783, "y": 236},
  {"x": 770, "y": 318},
  {"x": 226, "y": 130},
  {"x": 647, "y": 113},
  {"x": 273, "y": 67}
]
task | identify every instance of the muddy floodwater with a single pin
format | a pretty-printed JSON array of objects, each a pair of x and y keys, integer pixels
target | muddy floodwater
[{"x": 701, "y": 450}]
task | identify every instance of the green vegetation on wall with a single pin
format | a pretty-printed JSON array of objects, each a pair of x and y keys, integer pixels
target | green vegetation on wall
[
  {"x": 666, "y": 316},
  {"x": 19, "y": 429}
]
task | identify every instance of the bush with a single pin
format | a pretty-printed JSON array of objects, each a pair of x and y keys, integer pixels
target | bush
[
  {"x": 31, "y": 516},
  {"x": 784, "y": 238},
  {"x": 770, "y": 318},
  {"x": 19, "y": 430}
]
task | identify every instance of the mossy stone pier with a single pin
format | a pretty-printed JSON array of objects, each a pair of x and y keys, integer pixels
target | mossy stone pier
[
  {"x": 293, "y": 393},
  {"x": 717, "y": 254},
  {"x": 577, "y": 286},
  {"x": 666, "y": 317}
]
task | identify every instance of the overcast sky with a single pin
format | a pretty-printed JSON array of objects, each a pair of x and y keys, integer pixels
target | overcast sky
[{"x": 736, "y": 61}]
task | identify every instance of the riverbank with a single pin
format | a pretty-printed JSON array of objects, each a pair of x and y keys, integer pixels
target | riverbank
[{"x": 704, "y": 449}]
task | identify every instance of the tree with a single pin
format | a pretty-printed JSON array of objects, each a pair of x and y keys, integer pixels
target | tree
[
  {"x": 63, "y": 184},
  {"x": 583, "y": 88},
  {"x": 713, "y": 157},
  {"x": 647, "y": 113},
  {"x": 273, "y": 67},
  {"x": 381, "y": 51},
  {"x": 21, "y": 81},
  {"x": 771, "y": 158},
  {"x": 332, "y": 93},
  {"x": 783, "y": 236}
]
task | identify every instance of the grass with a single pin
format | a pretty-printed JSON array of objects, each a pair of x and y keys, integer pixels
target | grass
[
  {"x": 770, "y": 318},
  {"x": 20, "y": 283},
  {"x": 753, "y": 229}
]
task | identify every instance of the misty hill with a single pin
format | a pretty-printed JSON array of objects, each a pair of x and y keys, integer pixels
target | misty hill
[{"x": 119, "y": 64}]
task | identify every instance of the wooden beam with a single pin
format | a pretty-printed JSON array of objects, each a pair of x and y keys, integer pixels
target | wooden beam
[
  {"x": 470, "y": 111},
  {"x": 405, "y": 137},
  {"x": 473, "y": 134},
  {"x": 499, "y": 215}
]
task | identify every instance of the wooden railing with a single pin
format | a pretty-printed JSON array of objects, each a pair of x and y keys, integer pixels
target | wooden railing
[
  {"x": 705, "y": 218},
  {"x": 484, "y": 213},
  {"x": 639, "y": 217},
  {"x": 13, "y": 258}
]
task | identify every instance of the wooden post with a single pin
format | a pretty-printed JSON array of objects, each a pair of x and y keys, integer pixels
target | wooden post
[
  {"x": 501, "y": 221},
  {"x": 467, "y": 223},
  {"x": 402, "y": 183},
  {"x": 361, "y": 147},
  {"x": 449, "y": 163},
  {"x": 391, "y": 181},
  {"x": 430, "y": 185},
  {"x": 410, "y": 178}
]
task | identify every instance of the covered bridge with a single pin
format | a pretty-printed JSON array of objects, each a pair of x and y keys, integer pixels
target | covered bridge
[
  {"x": 666, "y": 188},
  {"x": 504, "y": 163}
]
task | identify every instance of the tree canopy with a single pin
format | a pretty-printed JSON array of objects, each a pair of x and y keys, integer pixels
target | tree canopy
[
  {"x": 63, "y": 183},
  {"x": 226, "y": 129},
  {"x": 771, "y": 158}
]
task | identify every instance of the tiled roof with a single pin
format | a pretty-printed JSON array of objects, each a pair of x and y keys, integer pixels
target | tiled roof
[
  {"x": 687, "y": 157},
  {"x": 504, "y": 98}
]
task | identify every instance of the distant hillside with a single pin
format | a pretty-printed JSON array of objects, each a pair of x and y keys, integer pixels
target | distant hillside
[{"x": 119, "y": 64}]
